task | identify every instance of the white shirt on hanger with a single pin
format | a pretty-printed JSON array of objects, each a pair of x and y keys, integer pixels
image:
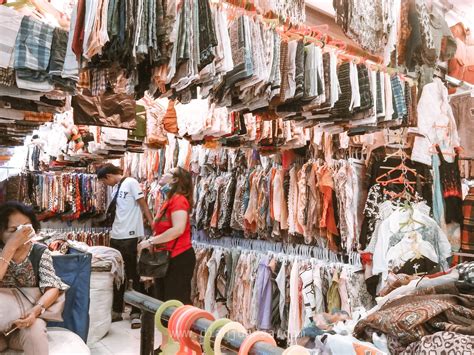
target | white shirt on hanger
[
  {"x": 436, "y": 122},
  {"x": 335, "y": 86},
  {"x": 393, "y": 224},
  {"x": 354, "y": 76}
]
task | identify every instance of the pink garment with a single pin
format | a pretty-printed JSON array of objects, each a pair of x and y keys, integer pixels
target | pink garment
[
  {"x": 278, "y": 196},
  {"x": 464, "y": 52}
]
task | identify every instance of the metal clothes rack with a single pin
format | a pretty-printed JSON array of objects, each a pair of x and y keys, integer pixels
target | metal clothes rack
[
  {"x": 296, "y": 250},
  {"x": 148, "y": 305},
  {"x": 76, "y": 230},
  {"x": 52, "y": 234}
]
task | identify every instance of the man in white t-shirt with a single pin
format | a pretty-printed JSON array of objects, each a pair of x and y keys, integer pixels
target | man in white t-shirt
[{"x": 126, "y": 229}]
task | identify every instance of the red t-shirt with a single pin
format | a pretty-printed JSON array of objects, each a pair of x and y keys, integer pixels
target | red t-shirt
[{"x": 163, "y": 222}]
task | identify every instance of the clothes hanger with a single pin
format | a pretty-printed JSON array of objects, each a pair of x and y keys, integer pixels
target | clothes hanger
[
  {"x": 434, "y": 150},
  {"x": 401, "y": 167}
]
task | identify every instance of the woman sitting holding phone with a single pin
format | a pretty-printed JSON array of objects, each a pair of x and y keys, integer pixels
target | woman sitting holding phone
[{"x": 26, "y": 264}]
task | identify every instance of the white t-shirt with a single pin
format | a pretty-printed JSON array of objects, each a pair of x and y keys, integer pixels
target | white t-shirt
[{"x": 128, "y": 221}]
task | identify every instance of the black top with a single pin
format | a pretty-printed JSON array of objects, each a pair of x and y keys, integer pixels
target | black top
[{"x": 450, "y": 177}]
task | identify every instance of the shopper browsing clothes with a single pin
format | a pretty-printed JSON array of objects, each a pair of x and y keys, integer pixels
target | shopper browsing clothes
[
  {"x": 127, "y": 227},
  {"x": 24, "y": 264},
  {"x": 172, "y": 232}
]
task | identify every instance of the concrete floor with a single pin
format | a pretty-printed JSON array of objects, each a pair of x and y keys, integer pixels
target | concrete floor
[{"x": 121, "y": 340}]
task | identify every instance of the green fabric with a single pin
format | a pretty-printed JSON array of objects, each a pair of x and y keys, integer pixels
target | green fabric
[
  {"x": 333, "y": 297},
  {"x": 139, "y": 132}
]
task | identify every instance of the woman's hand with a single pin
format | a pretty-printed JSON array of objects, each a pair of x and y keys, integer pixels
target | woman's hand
[
  {"x": 145, "y": 244},
  {"x": 26, "y": 322},
  {"x": 19, "y": 238}
]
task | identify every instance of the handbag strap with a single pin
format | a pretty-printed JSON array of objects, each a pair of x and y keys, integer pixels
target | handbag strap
[
  {"x": 33, "y": 302},
  {"x": 159, "y": 218},
  {"x": 114, "y": 199}
]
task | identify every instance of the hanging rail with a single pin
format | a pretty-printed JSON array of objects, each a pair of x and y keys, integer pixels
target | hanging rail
[
  {"x": 314, "y": 33},
  {"x": 148, "y": 305},
  {"x": 301, "y": 250}
]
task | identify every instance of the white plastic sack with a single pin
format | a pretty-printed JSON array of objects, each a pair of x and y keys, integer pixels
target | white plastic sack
[
  {"x": 62, "y": 341},
  {"x": 100, "y": 310}
]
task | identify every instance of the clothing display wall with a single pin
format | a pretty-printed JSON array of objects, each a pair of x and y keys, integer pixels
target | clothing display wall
[
  {"x": 265, "y": 286},
  {"x": 330, "y": 157},
  {"x": 68, "y": 196}
]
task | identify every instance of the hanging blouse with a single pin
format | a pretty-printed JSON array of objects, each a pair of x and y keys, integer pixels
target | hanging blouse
[{"x": 451, "y": 187}]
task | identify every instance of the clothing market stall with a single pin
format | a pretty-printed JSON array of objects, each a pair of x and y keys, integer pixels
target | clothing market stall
[{"x": 330, "y": 147}]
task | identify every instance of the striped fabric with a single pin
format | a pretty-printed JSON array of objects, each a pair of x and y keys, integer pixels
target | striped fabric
[
  {"x": 467, "y": 233},
  {"x": 399, "y": 104},
  {"x": 10, "y": 22},
  {"x": 366, "y": 99},
  {"x": 33, "y": 46}
]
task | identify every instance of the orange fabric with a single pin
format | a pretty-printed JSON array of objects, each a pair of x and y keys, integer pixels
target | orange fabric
[
  {"x": 459, "y": 31},
  {"x": 170, "y": 121},
  {"x": 38, "y": 116},
  {"x": 250, "y": 216}
]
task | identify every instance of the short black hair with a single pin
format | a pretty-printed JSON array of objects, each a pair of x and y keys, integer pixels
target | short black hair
[
  {"x": 12, "y": 207},
  {"x": 107, "y": 169}
]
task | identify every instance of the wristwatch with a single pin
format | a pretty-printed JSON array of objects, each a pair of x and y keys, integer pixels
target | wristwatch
[{"x": 43, "y": 309}]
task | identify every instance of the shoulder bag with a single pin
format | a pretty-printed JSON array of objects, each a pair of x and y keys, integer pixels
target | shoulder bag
[
  {"x": 110, "y": 214},
  {"x": 16, "y": 302}
]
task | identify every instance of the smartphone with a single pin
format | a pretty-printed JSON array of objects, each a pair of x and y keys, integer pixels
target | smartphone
[{"x": 7, "y": 333}]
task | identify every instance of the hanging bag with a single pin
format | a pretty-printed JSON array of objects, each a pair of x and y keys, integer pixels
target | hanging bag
[
  {"x": 110, "y": 214},
  {"x": 155, "y": 263}
]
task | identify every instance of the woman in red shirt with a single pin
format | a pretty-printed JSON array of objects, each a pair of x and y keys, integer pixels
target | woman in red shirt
[{"x": 172, "y": 231}]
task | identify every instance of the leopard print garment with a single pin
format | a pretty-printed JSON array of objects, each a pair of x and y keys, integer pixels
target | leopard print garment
[{"x": 442, "y": 343}]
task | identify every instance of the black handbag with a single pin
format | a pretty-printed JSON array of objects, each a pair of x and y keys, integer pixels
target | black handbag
[
  {"x": 110, "y": 214},
  {"x": 154, "y": 264}
]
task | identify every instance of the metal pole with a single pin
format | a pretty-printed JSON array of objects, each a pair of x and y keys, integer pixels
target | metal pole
[
  {"x": 149, "y": 305},
  {"x": 147, "y": 334}
]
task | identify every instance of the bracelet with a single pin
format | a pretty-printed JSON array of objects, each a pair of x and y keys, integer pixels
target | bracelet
[
  {"x": 43, "y": 308},
  {"x": 5, "y": 260},
  {"x": 150, "y": 243}
]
